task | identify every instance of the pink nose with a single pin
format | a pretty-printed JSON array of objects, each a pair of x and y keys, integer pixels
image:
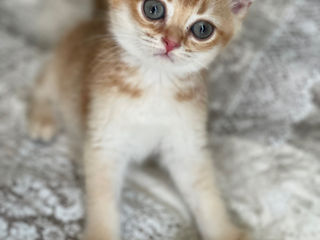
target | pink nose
[{"x": 170, "y": 44}]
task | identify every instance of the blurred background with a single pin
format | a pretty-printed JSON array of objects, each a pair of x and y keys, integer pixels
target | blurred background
[{"x": 264, "y": 127}]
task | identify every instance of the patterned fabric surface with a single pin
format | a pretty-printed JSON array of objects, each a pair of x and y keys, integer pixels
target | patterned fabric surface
[{"x": 265, "y": 129}]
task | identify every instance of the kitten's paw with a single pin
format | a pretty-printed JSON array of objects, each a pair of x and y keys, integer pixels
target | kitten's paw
[
  {"x": 238, "y": 234},
  {"x": 95, "y": 236},
  {"x": 42, "y": 124}
]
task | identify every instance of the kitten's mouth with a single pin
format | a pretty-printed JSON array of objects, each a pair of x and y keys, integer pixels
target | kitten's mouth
[{"x": 165, "y": 55}]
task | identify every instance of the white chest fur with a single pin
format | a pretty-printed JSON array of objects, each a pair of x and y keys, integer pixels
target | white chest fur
[{"x": 137, "y": 127}]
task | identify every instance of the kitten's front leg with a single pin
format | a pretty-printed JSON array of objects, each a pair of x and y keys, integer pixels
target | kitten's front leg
[
  {"x": 103, "y": 180},
  {"x": 193, "y": 173}
]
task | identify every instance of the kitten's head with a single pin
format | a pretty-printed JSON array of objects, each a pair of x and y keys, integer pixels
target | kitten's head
[{"x": 175, "y": 35}]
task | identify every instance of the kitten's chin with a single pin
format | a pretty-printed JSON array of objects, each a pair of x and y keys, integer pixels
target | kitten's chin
[
  {"x": 168, "y": 64},
  {"x": 172, "y": 62},
  {"x": 167, "y": 57},
  {"x": 171, "y": 65}
]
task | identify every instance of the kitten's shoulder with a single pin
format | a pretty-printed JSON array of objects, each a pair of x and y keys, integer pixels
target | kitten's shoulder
[{"x": 84, "y": 44}]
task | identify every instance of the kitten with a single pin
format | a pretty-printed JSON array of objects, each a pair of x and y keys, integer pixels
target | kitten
[{"x": 134, "y": 86}]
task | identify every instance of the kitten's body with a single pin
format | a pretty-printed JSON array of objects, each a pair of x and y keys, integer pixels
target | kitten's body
[{"x": 128, "y": 107}]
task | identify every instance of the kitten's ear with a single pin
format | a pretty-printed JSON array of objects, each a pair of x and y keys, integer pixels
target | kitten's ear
[{"x": 240, "y": 7}]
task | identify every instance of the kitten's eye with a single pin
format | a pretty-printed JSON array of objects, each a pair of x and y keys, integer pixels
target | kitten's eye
[
  {"x": 154, "y": 9},
  {"x": 202, "y": 29}
]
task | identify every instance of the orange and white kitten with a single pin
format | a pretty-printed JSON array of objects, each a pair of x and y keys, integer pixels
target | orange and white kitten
[{"x": 134, "y": 86}]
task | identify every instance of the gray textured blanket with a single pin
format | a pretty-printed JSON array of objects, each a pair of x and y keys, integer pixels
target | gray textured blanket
[{"x": 265, "y": 128}]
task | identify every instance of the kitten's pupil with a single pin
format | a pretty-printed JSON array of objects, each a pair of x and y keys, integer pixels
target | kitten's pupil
[
  {"x": 202, "y": 29},
  {"x": 154, "y": 10}
]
